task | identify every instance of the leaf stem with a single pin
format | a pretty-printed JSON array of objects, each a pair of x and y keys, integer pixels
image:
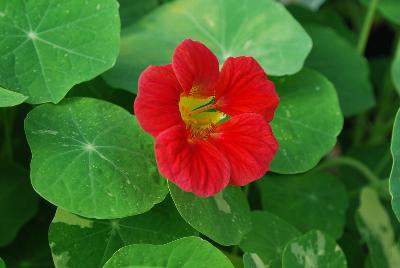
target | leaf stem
[
  {"x": 366, "y": 26},
  {"x": 374, "y": 180}
]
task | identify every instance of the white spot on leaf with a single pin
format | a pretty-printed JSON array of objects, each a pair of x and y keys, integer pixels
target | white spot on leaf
[{"x": 222, "y": 205}]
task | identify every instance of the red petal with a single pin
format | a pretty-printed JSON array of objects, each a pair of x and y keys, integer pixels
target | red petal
[
  {"x": 243, "y": 87},
  {"x": 196, "y": 167},
  {"x": 157, "y": 103},
  {"x": 196, "y": 68},
  {"x": 249, "y": 145}
]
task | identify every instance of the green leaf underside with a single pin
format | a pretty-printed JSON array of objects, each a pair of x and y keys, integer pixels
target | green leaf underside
[
  {"x": 394, "y": 180},
  {"x": 190, "y": 252},
  {"x": 311, "y": 4},
  {"x": 18, "y": 202},
  {"x": 304, "y": 135},
  {"x": 80, "y": 242},
  {"x": 339, "y": 61},
  {"x": 91, "y": 158},
  {"x": 10, "y": 98},
  {"x": 315, "y": 200},
  {"x": 130, "y": 11},
  {"x": 262, "y": 29},
  {"x": 375, "y": 227},
  {"x": 389, "y": 8},
  {"x": 313, "y": 250},
  {"x": 49, "y": 46},
  {"x": 224, "y": 217},
  {"x": 396, "y": 69},
  {"x": 265, "y": 242}
]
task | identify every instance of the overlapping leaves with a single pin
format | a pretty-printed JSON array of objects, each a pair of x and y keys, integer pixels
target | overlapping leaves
[{"x": 259, "y": 28}]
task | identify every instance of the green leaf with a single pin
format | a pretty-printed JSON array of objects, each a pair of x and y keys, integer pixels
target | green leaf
[
  {"x": 375, "y": 227},
  {"x": 396, "y": 69},
  {"x": 224, "y": 217},
  {"x": 49, "y": 46},
  {"x": 190, "y": 252},
  {"x": 2, "y": 264},
  {"x": 339, "y": 61},
  {"x": 267, "y": 239},
  {"x": 304, "y": 135},
  {"x": 91, "y": 158},
  {"x": 80, "y": 242},
  {"x": 10, "y": 98},
  {"x": 315, "y": 200},
  {"x": 394, "y": 180},
  {"x": 389, "y": 8},
  {"x": 313, "y": 250},
  {"x": 259, "y": 28},
  {"x": 18, "y": 202}
]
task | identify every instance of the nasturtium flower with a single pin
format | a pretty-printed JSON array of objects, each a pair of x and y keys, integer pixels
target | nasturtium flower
[{"x": 211, "y": 127}]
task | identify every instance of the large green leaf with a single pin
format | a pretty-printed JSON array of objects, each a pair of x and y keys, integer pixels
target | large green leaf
[
  {"x": 224, "y": 217},
  {"x": 87, "y": 243},
  {"x": 375, "y": 227},
  {"x": 304, "y": 135},
  {"x": 10, "y": 98},
  {"x": 91, "y": 158},
  {"x": 18, "y": 202},
  {"x": 313, "y": 250},
  {"x": 48, "y": 46},
  {"x": 396, "y": 69},
  {"x": 389, "y": 8},
  {"x": 259, "y": 28},
  {"x": 315, "y": 200},
  {"x": 190, "y": 252},
  {"x": 339, "y": 61},
  {"x": 267, "y": 239},
  {"x": 394, "y": 180}
]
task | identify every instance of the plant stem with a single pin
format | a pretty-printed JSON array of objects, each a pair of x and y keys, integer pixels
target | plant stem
[
  {"x": 366, "y": 27},
  {"x": 374, "y": 180}
]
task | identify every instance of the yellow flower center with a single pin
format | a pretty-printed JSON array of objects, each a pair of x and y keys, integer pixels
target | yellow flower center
[{"x": 199, "y": 115}]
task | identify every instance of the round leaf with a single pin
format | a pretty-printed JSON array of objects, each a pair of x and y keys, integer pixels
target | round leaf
[
  {"x": 91, "y": 158},
  {"x": 314, "y": 200},
  {"x": 259, "y": 28},
  {"x": 267, "y": 239},
  {"x": 374, "y": 225},
  {"x": 10, "y": 98},
  {"x": 339, "y": 61},
  {"x": 304, "y": 135},
  {"x": 18, "y": 202},
  {"x": 394, "y": 179},
  {"x": 224, "y": 217},
  {"x": 49, "y": 46},
  {"x": 396, "y": 69},
  {"x": 80, "y": 242},
  {"x": 313, "y": 250},
  {"x": 190, "y": 252}
]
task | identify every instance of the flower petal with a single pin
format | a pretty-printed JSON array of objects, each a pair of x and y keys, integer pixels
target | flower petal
[
  {"x": 196, "y": 68},
  {"x": 248, "y": 143},
  {"x": 157, "y": 104},
  {"x": 243, "y": 87},
  {"x": 196, "y": 167}
]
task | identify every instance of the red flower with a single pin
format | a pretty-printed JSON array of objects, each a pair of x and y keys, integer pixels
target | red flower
[{"x": 211, "y": 127}]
